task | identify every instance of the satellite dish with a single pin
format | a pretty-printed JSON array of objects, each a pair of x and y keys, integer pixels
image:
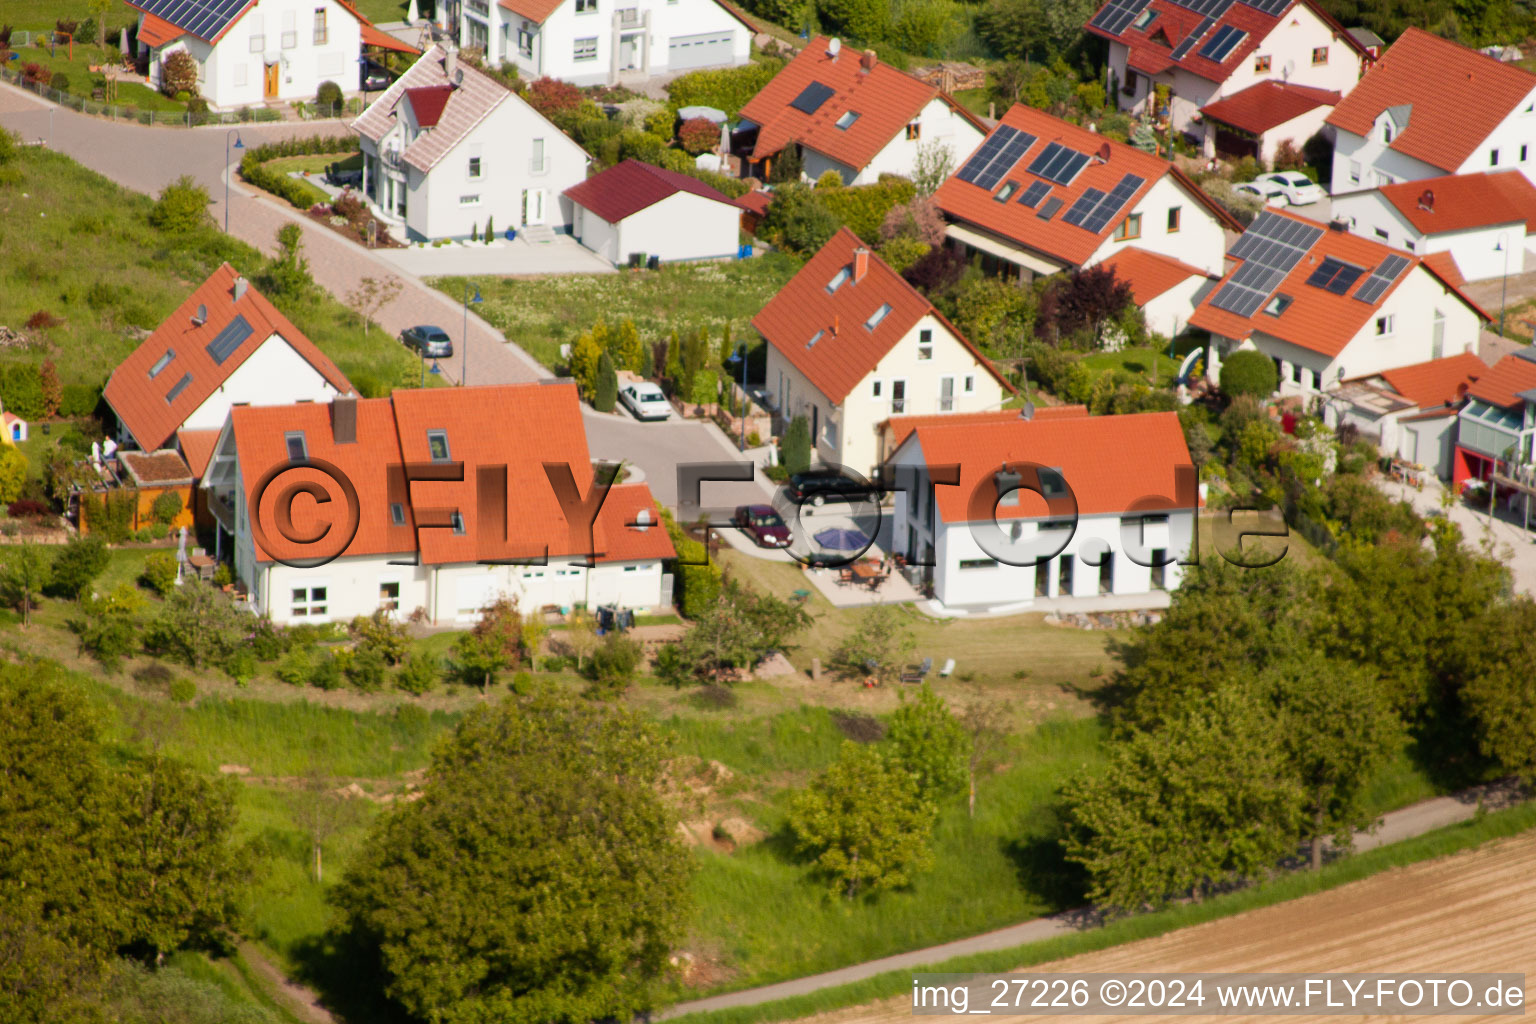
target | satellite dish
[
  {"x": 834, "y": 48},
  {"x": 643, "y": 519},
  {"x": 458, "y": 77},
  {"x": 201, "y": 316}
]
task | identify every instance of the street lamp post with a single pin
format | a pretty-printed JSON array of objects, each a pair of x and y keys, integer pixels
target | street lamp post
[
  {"x": 741, "y": 408},
  {"x": 464, "y": 373},
  {"x": 238, "y": 145}
]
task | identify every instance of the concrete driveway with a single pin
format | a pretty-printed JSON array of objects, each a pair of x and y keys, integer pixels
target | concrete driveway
[
  {"x": 501, "y": 258},
  {"x": 659, "y": 448}
]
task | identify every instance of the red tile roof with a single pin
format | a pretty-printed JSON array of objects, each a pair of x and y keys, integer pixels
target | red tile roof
[
  {"x": 1150, "y": 49},
  {"x": 1316, "y": 319},
  {"x": 1150, "y": 274},
  {"x": 1267, "y": 105},
  {"x": 755, "y": 202},
  {"x": 1460, "y": 201},
  {"x": 197, "y": 448},
  {"x": 1501, "y": 385},
  {"x": 1436, "y": 382},
  {"x": 190, "y": 11},
  {"x": 156, "y": 31},
  {"x": 1109, "y": 462},
  {"x": 845, "y": 351},
  {"x": 901, "y": 427},
  {"x": 428, "y": 102},
  {"x": 1444, "y": 266},
  {"x": 140, "y": 400},
  {"x": 885, "y": 99},
  {"x": 629, "y": 187},
  {"x": 1055, "y": 237},
  {"x": 522, "y": 427},
  {"x": 1455, "y": 97}
]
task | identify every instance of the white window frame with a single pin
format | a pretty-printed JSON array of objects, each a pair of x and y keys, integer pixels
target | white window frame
[
  {"x": 315, "y": 602},
  {"x": 1385, "y": 325},
  {"x": 584, "y": 49},
  {"x": 970, "y": 384},
  {"x": 925, "y": 343},
  {"x": 384, "y": 602},
  {"x": 874, "y": 389}
]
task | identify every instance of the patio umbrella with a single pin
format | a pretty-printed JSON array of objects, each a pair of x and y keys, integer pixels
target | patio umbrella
[
  {"x": 122, "y": 41},
  {"x": 839, "y": 539}
]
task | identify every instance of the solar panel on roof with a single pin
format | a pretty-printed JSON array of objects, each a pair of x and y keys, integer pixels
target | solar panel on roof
[
  {"x": 1058, "y": 163},
  {"x": 1273, "y": 8},
  {"x": 1381, "y": 279},
  {"x": 1206, "y": 8},
  {"x": 226, "y": 341},
  {"x": 811, "y": 98},
  {"x": 203, "y": 18},
  {"x": 1222, "y": 43},
  {"x": 984, "y": 154},
  {"x": 1110, "y": 206},
  {"x": 1188, "y": 42},
  {"x": 1014, "y": 147},
  {"x": 1334, "y": 275},
  {"x": 1115, "y": 16},
  {"x": 1080, "y": 210},
  {"x": 1032, "y": 195},
  {"x": 1048, "y": 211},
  {"x": 1269, "y": 249}
]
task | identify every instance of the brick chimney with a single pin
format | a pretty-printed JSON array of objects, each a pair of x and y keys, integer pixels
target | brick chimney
[
  {"x": 860, "y": 264},
  {"x": 836, "y": 322},
  {"x": 344, "y": 418},
  {"x": 867, "y": 60}
]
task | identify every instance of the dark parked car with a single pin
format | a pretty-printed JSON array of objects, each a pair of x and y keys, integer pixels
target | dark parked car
[
  {"x": 339, "y": 178},
  {"x": 763, "y": 525},
  {"x": 432, "y": 342},
  {"x": 819, "y": 486}
]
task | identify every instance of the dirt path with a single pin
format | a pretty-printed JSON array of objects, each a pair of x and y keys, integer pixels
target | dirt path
[
  {"x": 302, "y": 1001},
  {"x": 1475, "y": 911},
  {"x": 1404, "y": 823}
]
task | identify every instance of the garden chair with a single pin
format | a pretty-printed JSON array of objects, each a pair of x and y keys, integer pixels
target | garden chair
[
  {"x": 917, "y": 673},
  {"x": 949, "y": 667}
]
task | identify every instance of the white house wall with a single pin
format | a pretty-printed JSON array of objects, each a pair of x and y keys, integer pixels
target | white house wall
[
  {"x": 278, "y": 32},
  {"x": 1296, "y": 131},
  {"x": 1429, "y": 442},
  {"x": 274, "y": 374},
  {"x": 438, "y": 203},
  {"x": 682, "y": 226},
  {"x": 1168, "y": 314},
  {"x": 1200, "y": 240},
  {"x": 1477, "y": 251},
  {"x": 554, "y": 43},
  {"x": 1002, "y": 584},
  {"x": 937, "y": 123},
  {"x": 597, "y": 234},
  {"x": 854, "y": 438}
]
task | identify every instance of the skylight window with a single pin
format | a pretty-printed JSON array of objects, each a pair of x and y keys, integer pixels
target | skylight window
[
  {"x": 839, "y": 279},
  {"x": 437, "y": 445},
  {"x": 1144, "y": 19},
  {"x": 1006, "y": 192},
  {"x": 846, "y": 121},
  {"x": 397, "y": 513},
  {"x": 298, "y": 451},
  {"x": 458, "y": 523},
  {"x": 815, "y": 338},
  {"x": 178, "y": 388},
  {"x": 162, "y": 363},
  {"x": 877, "y": 316},
  {"x": 1278, "y": 304}
]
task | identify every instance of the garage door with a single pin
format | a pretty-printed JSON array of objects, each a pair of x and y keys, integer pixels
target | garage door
[{"x": 700, "y": 50}]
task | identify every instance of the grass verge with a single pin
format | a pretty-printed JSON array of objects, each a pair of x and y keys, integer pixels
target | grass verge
[{"x": 1439, "y": 843}]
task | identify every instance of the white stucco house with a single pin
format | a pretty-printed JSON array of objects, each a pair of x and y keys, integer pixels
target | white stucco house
[
  {"x": 1052, "y": 508},
  {"x": 447, "y": 149},
  {"x": 603, "y": 42},
  {"x": 1483, "y": 221},
  {"x": 1041, "y": 196},
  {"x": 1328, "y": 306},
  {"x": 848, "y": 112},
  {"x": 1411, "y": 411},
  {"x": 1204, "y": 52},
  {"x": 851, "y": 344},
  {"x": 1166, "y": 289},
  {"x": 1430, "y": 107},
  {"x": 250, "y": 52},
  {"x": 509, "y": 523},
  {"x": 225, "y": 346},
  {"x": 638, "y": 209}
]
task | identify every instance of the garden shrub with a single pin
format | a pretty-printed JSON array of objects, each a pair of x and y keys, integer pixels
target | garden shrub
[
  {"x": 698, "y": 578},
  {"x": 159, "y": 572},
  {"x": 183, "y": 691},
  {"x": 863, "y": 208},
  {"x": 328, "y": 96},
  {"x": 699, "y": 135},
  {"x": 366, "y": 669},
  {"x": 59, "y": 81},
  {"x": 43, "y": 320},
  {"x": 182, "y": 206},
  {"x": 418, "y": 674},
  {"x": 166, "y": 507},
  {"x": 1249, "y": 372},
  {"x": 799, "y": 220},
  {"x": 178, "y": 75},
  {"x": 21, "y": 390},
  {"x": 26, "y": 508},
  {"x": 725, "y": 89},
  {"x": 829, "y": 179},
  {"x": 241, "y": 665}
]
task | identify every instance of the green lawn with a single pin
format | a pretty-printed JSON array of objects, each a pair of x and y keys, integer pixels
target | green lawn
[
  {"x": 81, "y": 249},
  {"x": 541, "y": 314},
  {"x": 1139, "y": 361},
  {"x": 131, "y": 92}
]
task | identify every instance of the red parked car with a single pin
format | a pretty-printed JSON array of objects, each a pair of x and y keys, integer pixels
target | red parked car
[{"x": 763, "y": 525}]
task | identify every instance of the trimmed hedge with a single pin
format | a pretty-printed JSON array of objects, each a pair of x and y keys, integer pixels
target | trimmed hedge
[
  {"x": 726, "y": 89},
  {"x": 862, "y": 208},
  {"x": 254, "y": 170}
]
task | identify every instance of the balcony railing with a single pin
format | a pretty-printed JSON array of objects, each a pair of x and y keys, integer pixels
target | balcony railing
[{"x": 629, "y": 17}]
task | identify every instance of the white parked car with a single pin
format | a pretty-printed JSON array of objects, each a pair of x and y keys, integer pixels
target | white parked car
[
  {"x": 646, "y": 401},
  {"x": 1266, "y": 192},
  {"x": 1298, "y": 189}
]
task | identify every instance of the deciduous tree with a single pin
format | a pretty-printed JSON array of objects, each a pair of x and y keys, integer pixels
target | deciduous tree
[
  {"x": 986, "y": 725},
  {"x": 562, "y": 905},
  {"x": 931, "y": 743},
  {"x": 23, "y": 578},
  {"x": 77, "y": 564},
  {"x": 865, "y": 822},
  {"x": 1495, "y": 674},
  {"x": 371, "y": 295},
  {"x": 878, "y": 646}
]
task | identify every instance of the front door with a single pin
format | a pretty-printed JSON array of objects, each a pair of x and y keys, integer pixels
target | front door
[
  {"x": 270, "y": 84},
  {"x": 533, "y": 206},
  {"x": 628, "y": 47}
]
